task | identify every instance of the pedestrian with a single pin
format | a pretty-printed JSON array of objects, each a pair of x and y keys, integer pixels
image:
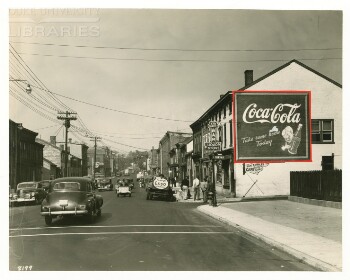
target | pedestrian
[
  {"x": 204, "y": 189},
  {"x": 184, "y": 187},
  {"x": 196, "y": 189}
]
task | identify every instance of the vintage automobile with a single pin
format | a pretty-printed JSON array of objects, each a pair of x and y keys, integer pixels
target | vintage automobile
[
  {"x": 123, "y": 190},
  {"x": 71, "y": 196},
  {"x": 28, "y": 192},
  {"x": 159, "y": 187}
]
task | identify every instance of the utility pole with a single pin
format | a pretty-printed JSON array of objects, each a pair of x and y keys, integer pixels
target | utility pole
[
  {"x": 95, "y": 139},
  {"x": 69, "y": 116}
]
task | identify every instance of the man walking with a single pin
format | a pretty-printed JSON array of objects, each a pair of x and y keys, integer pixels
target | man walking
[
  {"x": 196, "y": 189},
  {"x": 184, "y": 187},
  {"x": 204, "y": 189}
]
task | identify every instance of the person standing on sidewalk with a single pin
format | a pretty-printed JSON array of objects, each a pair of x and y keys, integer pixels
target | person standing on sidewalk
[
  {"x": 204, "y": 189},
  {"x": 184, "y": 187},
  {"x": 196, "y": 189}
]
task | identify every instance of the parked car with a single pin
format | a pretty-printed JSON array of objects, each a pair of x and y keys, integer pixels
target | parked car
[
  {"x": 28, "y": 192},
  {"x": 71, "y": 196},
  {"x": 159, "y": 187}
]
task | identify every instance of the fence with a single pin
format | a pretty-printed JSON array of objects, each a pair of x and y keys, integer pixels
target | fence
[{"x": 321, "y": 185}]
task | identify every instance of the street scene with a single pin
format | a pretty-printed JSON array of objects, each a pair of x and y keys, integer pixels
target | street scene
[{"x": 175, "y": 140}]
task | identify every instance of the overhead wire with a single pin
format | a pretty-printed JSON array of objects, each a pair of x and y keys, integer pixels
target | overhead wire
[
  {"x": 176, "y": 49},
  {"x": 181, "y": 60},
  {"x": 115, "y": 110}
]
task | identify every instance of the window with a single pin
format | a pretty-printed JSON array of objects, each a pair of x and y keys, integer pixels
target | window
[
  {"x": 328, "y": 162},
  {"x": 224, "y": 135},
  {"x": 224, "y": 112},
  {"x": 230, "y": 108},
  {"x": 322, "y": 131}
]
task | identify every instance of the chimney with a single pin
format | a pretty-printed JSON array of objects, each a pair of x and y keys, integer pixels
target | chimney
[
  {"x": 53, "y": 140},
  {"x": 248, "y": 77}
]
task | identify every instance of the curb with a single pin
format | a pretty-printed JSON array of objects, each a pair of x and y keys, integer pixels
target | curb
[{"x": 316, "y": 263}]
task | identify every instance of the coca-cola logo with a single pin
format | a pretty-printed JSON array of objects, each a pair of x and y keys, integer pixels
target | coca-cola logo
[{"x": 281, "y": 113}]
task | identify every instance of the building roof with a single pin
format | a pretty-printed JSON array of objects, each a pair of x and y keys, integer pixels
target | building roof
[
  {"x": 46, "y": 143},
  {"x": 286, "y": 65},
  {"x": 229, "y": 93},
  {"x": 49, "y": 161}
]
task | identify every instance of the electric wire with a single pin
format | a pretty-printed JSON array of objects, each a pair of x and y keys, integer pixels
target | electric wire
[
  {"x": 176, "y": 49},
  {"x": 115, "y": 110},
  {"x": 181, "y": 60}
]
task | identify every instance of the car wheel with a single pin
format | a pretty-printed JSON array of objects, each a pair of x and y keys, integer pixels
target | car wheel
[
  {"x": 150, "y": 196},
  {"x": 129, "y": 194},
  {"x": 48, "y": 220},
  {"x": 118, "y": 194},
  {"x": 147, "y": 196}
]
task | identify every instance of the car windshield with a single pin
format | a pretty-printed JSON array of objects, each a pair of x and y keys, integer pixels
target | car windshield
[
  {"x": 72, "y": 186},
  {"x": 26, "y": 186}
]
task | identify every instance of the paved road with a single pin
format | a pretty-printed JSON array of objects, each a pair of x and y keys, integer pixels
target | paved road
[{"x": 134, "y": 234}]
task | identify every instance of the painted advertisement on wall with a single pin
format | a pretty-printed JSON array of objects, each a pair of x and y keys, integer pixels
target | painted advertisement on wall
[{"x": 272, "y": 126}]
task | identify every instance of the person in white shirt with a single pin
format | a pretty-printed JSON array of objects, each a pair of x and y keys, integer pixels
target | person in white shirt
[{"x": 196, "y": 189}]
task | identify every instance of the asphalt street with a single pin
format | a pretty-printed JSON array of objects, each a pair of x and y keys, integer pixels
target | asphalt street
[{"x": 135, "y": 234}]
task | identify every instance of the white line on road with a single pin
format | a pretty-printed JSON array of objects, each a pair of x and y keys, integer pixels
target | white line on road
[
  {"x": 116, "y": 226},
  {"x": 123, "y": 232}
]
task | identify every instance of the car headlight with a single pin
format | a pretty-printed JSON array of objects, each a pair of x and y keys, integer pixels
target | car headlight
[
  {"x": 83, "y": 207},
  {"x": 32, "y": 194},
  {"x": 45, "y": 208}
]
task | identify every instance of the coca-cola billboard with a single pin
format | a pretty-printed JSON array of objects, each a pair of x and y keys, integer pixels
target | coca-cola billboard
[{"x": 272, "y": 126}]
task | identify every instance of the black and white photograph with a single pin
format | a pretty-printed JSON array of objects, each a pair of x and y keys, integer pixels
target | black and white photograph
[{"x": 174, "y": 139}]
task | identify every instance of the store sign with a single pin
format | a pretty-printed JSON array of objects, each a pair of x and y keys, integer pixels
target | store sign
[
  {"x": 160, "y": 183},
  {"x": 255, "y": 168},
  {"x": 272, "y": 126},
  {"x": 213, "y": 146}
]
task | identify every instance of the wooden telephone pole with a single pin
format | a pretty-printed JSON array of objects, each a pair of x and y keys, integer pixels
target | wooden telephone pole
[
  {"x": 69, "y": 116},
  {"x": 95, "y": 139}
]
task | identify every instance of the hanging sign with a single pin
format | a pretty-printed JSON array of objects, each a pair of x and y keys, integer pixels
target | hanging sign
[{"x": 272, "y": 126}]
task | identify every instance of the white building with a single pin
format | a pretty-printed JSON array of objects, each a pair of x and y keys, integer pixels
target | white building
[{"x": 326, "y": 116}]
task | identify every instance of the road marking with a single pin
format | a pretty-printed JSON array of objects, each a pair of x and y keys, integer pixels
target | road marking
[
  {"x": 122, "y": 232},
  {"x": 116, "y": 226}
]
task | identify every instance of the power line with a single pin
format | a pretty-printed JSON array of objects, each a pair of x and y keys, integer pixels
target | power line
[
  {"x": 125, "y": 145},
  {"x": 115, "y": 110},
  {"x": 176, "y": 49},
  {"x": 181, "y": 60},
  {"x": 35, "y": 76}
]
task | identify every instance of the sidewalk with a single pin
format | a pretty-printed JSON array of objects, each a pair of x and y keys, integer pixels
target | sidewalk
[{"x": 308, "y": 232}]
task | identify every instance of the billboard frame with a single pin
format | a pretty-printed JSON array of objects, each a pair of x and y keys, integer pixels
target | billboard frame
[{"x": 279, "y": 160}]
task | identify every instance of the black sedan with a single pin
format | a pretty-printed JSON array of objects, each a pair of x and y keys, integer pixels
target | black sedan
[{"x": 71, "y": 196}]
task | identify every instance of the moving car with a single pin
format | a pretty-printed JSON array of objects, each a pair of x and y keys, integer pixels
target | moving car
[
  {"x": 28, "y": 192},
  {"x": 71, "y": 196},
  {"x": 159, "y": 187},
  {"x": 123, "y": 190}
]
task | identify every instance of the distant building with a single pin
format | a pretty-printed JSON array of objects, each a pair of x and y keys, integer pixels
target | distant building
[
  {"x": 103, "y": 161},
  {"x": 166, "y": 144},
  {"x": 25, "y": 155}
]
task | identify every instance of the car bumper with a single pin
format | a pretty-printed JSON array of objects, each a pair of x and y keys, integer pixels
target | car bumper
[{"x": 64, "y": 212}]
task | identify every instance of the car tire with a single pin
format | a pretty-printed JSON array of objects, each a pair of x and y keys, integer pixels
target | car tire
[
  {"x": 150, "y": 196},
  {"x": 129, "y": 194},
  {"x": 48, "y": 220},
  {"x": 118, "y": 194}
]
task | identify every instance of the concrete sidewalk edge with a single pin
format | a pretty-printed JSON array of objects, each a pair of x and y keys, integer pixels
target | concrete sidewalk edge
[{"x": 316, "y": 263}]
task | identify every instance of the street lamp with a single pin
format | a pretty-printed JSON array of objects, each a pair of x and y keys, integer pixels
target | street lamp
[{"x": 28, "y": 88}]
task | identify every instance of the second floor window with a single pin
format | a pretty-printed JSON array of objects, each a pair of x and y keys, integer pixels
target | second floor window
[{"x": 322, "y": 131}]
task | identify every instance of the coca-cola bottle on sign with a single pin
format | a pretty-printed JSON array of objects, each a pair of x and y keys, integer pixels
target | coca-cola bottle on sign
[{"x": 295, "y": 141}]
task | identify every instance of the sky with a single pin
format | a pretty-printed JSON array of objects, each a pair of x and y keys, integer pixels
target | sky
[{"x": 161, "y": 63}]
